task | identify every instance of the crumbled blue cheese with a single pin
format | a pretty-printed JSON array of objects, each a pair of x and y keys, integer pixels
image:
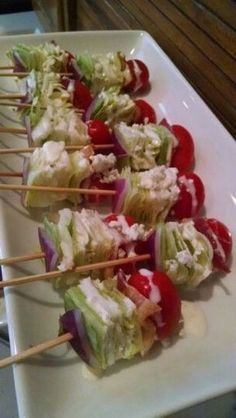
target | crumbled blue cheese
[
  {"x": 161, "y": 184},
  {"x": 105, "y": 165},
  {"x": 191, "y": 256}
]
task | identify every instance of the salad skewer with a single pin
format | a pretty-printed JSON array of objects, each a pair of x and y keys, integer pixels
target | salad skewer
[
  {"x": 81, "y": 269},
  {"x": 188, "y": 251},
  {"x": 123, "y": 318},
  {"x": 98, "y": 71}
]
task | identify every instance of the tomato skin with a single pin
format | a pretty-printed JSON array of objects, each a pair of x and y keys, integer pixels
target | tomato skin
[
  {"x": 183, "y": 154},
  {"x": 138, "y": 82},
  {"x": 99, "y": 132},
  {"x": 185, "y": 207},
  {"x": 170, "y": 302},
  {"x": 170, "y": 305},
  {"x": 141, "y": 283},
  {"x": 215, "y": 231},
  {"x": 82, "y": 97},
  {"x": 144, "y": 112},
  {"x": 113, "y": 217}
]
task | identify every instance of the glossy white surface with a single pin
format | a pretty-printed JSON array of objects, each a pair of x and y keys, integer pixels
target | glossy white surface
[{"x": 191, "y": 370}]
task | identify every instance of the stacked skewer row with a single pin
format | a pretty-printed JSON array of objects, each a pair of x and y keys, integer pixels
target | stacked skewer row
[{"x": 73, "y": 108}]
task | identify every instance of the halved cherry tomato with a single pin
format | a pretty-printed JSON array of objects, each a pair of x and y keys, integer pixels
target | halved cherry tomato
[
  {"x": 99, "y": 132},
  {"x": 191, "y": 196},
  {"x": 112, "y": 217},
  {"x": 82, "y": 97},
  {"x": 144, "y": 112},
  {"x": 220, "y": 239},
  {"x": 183, "y": 154},
  {"x": 170, "y": 303},
  {"x": 139, "y": 76}
]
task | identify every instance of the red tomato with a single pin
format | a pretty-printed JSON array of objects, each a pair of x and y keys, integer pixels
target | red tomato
[
  {"x": 99, "y": 132},
  {"x": 183, "y": 154},
  {"x": 191, "y": 196},
  {"x": 144, "y": 112},
  {"x": 170, "y": 302},
  {"x": 112, "y": 217},
  {"x": 82, "y": 97},
  {"x": 220, "y": 239},
  {"x": 139, "y": 76}
]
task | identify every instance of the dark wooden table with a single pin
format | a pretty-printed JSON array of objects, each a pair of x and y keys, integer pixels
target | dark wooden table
[{"x": 198, "y": 35}]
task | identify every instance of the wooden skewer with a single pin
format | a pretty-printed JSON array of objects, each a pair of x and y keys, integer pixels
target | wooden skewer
[
  {"x": 4, "y": 130},
  {"x": 24, "y": 187},
  {"x": 11, "y": 96},
  {"x": 67, "y": 148},
  {"x": 7, "y": 67},
  {"x": 25, "y": 74},
  {"x": 37, "y": 349},
  {"x": 29, "y": 105},
  {"x": 80, "y": 269},
  {"x": 14, "y": 260},
  {"x": 10, "y": 174},
  {"x": 18, "y": 104}
]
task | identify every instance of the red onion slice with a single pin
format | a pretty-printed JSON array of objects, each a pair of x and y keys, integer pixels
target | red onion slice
[
  {"x": 119, "y": 149},
  {"x": 72, "y": 321},
  {"x": 28, "y": 129},
  {"x": 19, "y": 66},
  {"x": 121, "y": 187},
  {"x": 89, "y": 111},
  {"x": 153, "y": 245},
  {"x": 74, "y": 69},
  {"x": 48, "y": 247}
]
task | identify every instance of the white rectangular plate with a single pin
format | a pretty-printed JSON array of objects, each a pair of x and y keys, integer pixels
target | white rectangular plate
[{"x": 193, "y": 369}]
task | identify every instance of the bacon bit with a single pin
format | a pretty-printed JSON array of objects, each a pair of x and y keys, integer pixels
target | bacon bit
[
  {"x": 146, "y": 309},
  {"x": 87, "y": 151},
  {"x": 149, "y": 335}
]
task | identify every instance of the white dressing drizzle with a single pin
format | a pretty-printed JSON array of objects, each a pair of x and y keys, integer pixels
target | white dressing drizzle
[
  {"x": 138, "y": 72},
  {"x": 155, "y": 295},
  {"x": 194, "y": 320},
  {"x": 189, "y": 184}
]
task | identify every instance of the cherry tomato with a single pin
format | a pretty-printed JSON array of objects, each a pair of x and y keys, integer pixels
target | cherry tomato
[
  {"x": 170, "y": 303},
  {"x": 139, "y": 76},
  {"x": 82, "y": 97},
  {"x": 144, "y": 112},
  {"x": 183, "y": 154},
  {"x": 220, "y": 239},
  {"x": 191, "y": 196},
  {"x": 99, "y": 132},
  {"x": 112, "y": 217}
]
